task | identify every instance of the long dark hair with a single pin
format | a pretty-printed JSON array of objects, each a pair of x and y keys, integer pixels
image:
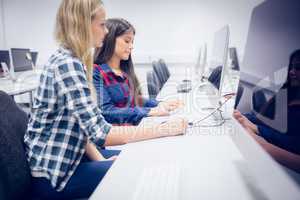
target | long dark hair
[
  {"x": 287, "y": 85},
  {"x": 116, "y": 28}
]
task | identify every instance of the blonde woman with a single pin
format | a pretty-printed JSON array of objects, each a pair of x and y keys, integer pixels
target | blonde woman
[{"x": 66, "y": 124}]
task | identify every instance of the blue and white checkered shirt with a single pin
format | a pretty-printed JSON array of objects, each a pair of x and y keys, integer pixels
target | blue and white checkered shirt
[{"x": 64, "y": 117}]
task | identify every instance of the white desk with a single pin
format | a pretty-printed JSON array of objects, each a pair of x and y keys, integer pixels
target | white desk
[
  {"x": 26, "y": 82},
  {"x": 215, "y": 163}
]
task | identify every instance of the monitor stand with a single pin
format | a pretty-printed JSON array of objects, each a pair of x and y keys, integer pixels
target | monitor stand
[{"x": 8, "y": 72}]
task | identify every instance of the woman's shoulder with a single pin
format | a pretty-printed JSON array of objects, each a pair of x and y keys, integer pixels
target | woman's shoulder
[
  {"x": 63, "y": 61},
  {"x": 100, "y": 70}
]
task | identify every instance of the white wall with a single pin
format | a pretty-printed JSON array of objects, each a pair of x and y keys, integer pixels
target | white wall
[
  {"x": 30, "y": 24},
  {"x": 175, "y": 29},
  {"x": 2, "y": 38},
  {"x": 171, "y": 29}
]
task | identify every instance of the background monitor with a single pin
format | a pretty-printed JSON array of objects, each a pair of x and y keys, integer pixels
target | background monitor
[
  {"x": 198, "y": 62},
  {"x": 21, "y": 59},
  {"x": 220, "y": 47},
  {"x": 4, "y": 57},
  {"x": 219, "y": 56},
  {"x": 202, "y": 61},
  {"x": 34, "y": 56}
]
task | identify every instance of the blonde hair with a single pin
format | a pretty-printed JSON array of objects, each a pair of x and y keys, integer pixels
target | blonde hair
[{"x": 73, "y": 31}]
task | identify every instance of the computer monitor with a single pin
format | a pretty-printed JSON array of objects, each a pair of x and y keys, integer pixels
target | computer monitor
[
  {"x": 21, "y": 58},
  {"x": 34, "y": 56},
  {"x": 198, "y": 62},
  {"x": 270, "y": 42},
  {"x": 201, "y": 62},
  {"x": 220, "y": 55},
  {"x": 4, "y": 57},
  {"x": 268, "y": 48}
]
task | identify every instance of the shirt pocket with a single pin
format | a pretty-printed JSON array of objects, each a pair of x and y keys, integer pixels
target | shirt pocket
[{"x": 117, "y": 94}]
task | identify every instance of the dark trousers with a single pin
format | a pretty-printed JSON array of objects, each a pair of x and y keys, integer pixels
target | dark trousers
[{"x": 81, "y": 185}]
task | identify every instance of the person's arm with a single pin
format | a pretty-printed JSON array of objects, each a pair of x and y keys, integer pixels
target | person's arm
[
  {"x": 163, "y": 107},
  {"x": 282, "y": 156},
  {"x": 126, "y": 134},
  {"x": 288, "y": 142},
  {"x": 71, "y": 83},
  {"x": 115, "y": 114},
  {"x": 92, "y": 152}
]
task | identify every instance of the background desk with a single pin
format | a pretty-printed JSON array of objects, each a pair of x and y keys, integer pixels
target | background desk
[
  {"x": 215, "y": 163},
  {"x": 26, "y": 82}
]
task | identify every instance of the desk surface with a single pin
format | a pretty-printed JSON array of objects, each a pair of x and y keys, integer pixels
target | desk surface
[
  {"x": 215, "y": 163},
  {"x": 25, "y": 82}
]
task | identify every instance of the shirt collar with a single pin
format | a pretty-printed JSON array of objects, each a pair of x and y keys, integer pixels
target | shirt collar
[
  {"x": 65, "y": 50},
  {"x": 107, "y": 69}
]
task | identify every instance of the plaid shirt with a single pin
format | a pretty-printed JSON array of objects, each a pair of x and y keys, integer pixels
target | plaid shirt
[
  {"x": 116, "y": 99},
  {"x": 63, "y": 119}
]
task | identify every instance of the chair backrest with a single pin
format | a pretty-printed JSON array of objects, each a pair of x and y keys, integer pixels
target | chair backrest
[
  {"x": 164, "y": 68},
  {"x": 215, "y": 76},
  {"x": 34, "y": 56},
  {"x": 261, "y": 105},
  {"x": 159, "y": 73},
  {"x": 14, "y": 170},
  {"x": 239, "y": 95},
  {"x": 152, "y": 84}
]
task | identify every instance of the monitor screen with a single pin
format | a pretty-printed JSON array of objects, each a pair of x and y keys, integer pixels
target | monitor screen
[
  {"x": 198, "y": 61},
  {"x": 201, "y": 61},
  {"x": 21, "y": 59},
  {"x": 273, "y": 35},
  {"x": 4, "y": 57},
  {"x": 220, "y": 47},
  {"x": 218, "y": 61}
]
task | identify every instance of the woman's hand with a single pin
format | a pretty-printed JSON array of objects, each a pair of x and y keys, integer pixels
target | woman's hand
[
  {"x": 245, "y": 122},
  {"x": 175, "y": 126},
  {"x": 94, "y": 154},
  {"x": 158, "y": 111},
  {"x": 171, "y": 105},
  {"x": 113, "y": 158}
]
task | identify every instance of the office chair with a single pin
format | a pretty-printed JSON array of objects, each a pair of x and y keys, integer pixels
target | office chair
[
  {"x": 165, "y": 69},
  {"x": 239, "y": 95},
  {"x": 215, "y": 76},
  {"x": 260, "y": 102},
  {"x": 234, "y": 59},
  {"x": 15, "y": 181},
  {"x": 159, "y": 73},
  {"x": 34, "y": 56},
  {"x": 14, "y": 170},
  {"x": 152, "y": 84}
]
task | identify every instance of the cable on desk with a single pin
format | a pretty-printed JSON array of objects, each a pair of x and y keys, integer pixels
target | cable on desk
[{"x": 197, "y": 123}]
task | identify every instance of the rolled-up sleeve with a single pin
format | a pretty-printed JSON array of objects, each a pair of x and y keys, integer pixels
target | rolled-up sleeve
[
  {"x": 73, "y": 85},
  {"x": 150, "y": 103}
]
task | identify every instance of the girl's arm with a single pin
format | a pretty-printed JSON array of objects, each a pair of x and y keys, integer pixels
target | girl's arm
[{"x": 125, "y": 134}]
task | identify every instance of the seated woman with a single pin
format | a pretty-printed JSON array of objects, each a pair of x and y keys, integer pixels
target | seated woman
[
  {"x": 284, "y": 147},
  {"x": 118, "y": 89},
  {"x": 66, "y": 125}
]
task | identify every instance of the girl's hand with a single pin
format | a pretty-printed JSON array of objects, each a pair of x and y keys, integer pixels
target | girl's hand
[
  {"x": 171, "y": 105},
  {"x": 175, "y": 126}
]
